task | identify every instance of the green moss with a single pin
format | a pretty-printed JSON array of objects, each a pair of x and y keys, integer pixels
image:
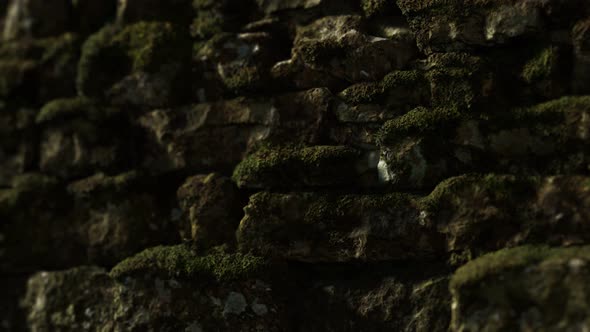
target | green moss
[
  {"x": 506, "y": 188},
  {"x": 542, "y": 66},
  {"x": 447, "y": 7},
  {"x": 206, "y": 24},
  {"x": 60, "y": 109},
  {"x": 363, "y": 93},
  {"x": 550, "y": 116},
  {"x": 420, "y": 121},
  {"x": 182, "y": 261},
  {"x": 243, "y": 79},
  {"x": 150, "y": 44},
  {"x": 374, "y": 7},
  {"x": 112, "y": 52},
  {"x": 289, "y": 161},
  {"x": 319, "y": 52},
  {"x": 509, "y": 259},
  {"x": 406, "y": 78}
]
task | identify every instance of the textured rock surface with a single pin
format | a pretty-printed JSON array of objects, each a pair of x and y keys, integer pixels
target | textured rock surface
[
  {"x": 534, "y": 288},
  {"x": 294, "y": 165}
]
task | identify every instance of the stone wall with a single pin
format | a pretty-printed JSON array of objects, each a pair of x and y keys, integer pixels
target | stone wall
[{"x": 295, "y": 165}]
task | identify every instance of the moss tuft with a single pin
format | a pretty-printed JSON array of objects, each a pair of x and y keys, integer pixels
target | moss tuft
[
  {"x": 419, "y": 121},
  {"x": 512, "y": 258},
  {"x": 182, "y": 261},
  {"x": 60, "y": 109},
  {"x": 150, "y": 44},
  {"x": 206, "y": 24},
  {"x": 288, "y": 162},
  {"x": 112, "y": 52},
  {"x": 243, "y": 79},
  {"x": 498, "y": 187},
  {"x": 363, "y": 93},
  {"x": 374, "y": 7},
  {"x": 542, "y": 66}
]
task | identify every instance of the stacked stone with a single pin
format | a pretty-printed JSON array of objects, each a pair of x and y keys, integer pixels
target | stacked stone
[{"x": 294, "y": 165}]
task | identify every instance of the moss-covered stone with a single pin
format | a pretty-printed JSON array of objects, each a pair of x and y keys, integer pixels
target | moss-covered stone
[
  {"x": 531, "y": 287},
  {"x": 395, "y": 88},
  {"x": 206, "y": 24},
  {"x": 541, "y": 66},
  {"x": 345, "y": 45},
  {"x": 161, "y": 49},
  {"x": 304, "y": 167},
  {"x": 420, "y": 121},
  {"x": 69, "y": 108},
  {"x": 148, "y": 301},
  {"x": 333, "y": 228},
  {"x": 182, "y": 261},
  {"x": 373, "y": 8}
]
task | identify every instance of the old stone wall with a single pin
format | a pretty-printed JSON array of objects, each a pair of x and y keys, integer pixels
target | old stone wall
[{"x": 295, "y": 165}]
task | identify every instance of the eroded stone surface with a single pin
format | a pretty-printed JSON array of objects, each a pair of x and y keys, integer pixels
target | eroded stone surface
[
  {"x": 211, "y": 204},
  {"x": 88, "y": 298},
  {"x": 461, "y": 218}
]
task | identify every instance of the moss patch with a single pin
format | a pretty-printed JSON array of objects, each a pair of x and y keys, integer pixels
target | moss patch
[
  {"x": 374, "y": 7},
  {"x": 364, "y": 93},
  {"x": 61, "y": 109},
  {"x": 182, "y": 261},
  {"x": 112, "y": 53},
  {"x": 206, "y": 24},
  {"x": 542, "y": 66},
  {"x": 288, "y": 163},
  {"x": 513, "y": 258},
  {"x": 419, "y": 121}
]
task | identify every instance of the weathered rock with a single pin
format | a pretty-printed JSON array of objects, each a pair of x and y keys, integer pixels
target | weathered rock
[
  {"x": 317, "y": 166},
  {"x": 212, "y": 17},
  {"x": 36, "y": 18},
  {"x": 338, "y": 46},
  {"x": 396, "y": 94},
  {"x": 523, "y": 289},
  {"x": 462, "y": 25},
  {"x": 463, "y": 217},
  {"x": 162, "y": 288},
  {"x": 73, "y": 144},
  {"x": 374, "y": 8},
  {"x": 378, "y": 298},
  {"x": 212, "y": 209},
  {"x": 461, "y": 80},
  {"x": 545, "y": 139},
  {"x": 239, "y": 62},
  {"x": 218, "y": 135},
  {"x": 336, "y": 228},
  {"x": 142, "y": 65}
]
